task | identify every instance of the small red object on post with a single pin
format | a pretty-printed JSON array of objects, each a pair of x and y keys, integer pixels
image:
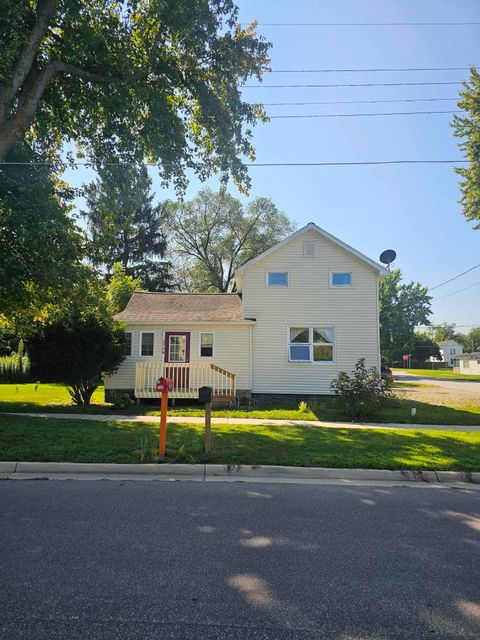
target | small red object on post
[{"x": 164, "y": 385}]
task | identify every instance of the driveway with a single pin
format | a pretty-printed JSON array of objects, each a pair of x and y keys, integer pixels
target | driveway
[
  {"x": 191, "y": 561},
  {"x": 438, "y": 391}
]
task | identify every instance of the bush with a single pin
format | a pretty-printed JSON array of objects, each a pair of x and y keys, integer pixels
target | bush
[
  {"x": 15, "y": 368},
  {"x": 363, "y": 393}
]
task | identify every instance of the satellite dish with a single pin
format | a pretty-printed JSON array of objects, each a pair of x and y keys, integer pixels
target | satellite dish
[{"x": 387, "y": 257}]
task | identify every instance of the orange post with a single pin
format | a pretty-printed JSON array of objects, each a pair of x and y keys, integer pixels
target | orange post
[{"x": 163, "y": 424}]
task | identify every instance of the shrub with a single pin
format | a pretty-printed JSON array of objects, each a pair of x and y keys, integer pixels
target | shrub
[
  {"x": 15, "y": 368},
  {"x": 303, "y": 407},
  {"x": 363, "y": 393}
]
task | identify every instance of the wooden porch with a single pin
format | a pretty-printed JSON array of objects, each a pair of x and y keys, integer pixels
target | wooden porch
[{"x": 187, "y": 379}]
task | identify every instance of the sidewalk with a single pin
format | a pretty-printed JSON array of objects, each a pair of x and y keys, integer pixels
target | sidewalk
[
  {"x": 248, "y": 421},
  {"x": 236, "y": 473}
]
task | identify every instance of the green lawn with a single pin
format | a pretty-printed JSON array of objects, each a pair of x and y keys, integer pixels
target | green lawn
[
  {"x": 447, "y": 374},
  {"x": 55, "y": 399},
  {"x": 43, "y": 439}
]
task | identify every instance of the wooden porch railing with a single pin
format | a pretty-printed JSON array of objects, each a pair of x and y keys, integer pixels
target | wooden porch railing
[{"x": 187, "y": 379}]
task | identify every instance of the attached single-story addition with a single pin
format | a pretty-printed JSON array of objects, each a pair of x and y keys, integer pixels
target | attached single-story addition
[
  {"x": 304, "y": 310},
  {"x": 468, "y": 363}
]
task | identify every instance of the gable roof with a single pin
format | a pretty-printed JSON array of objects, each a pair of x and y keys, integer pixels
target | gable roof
[
  {"x": 145, "y": 307},
  {"x": 311, "y": 226}
]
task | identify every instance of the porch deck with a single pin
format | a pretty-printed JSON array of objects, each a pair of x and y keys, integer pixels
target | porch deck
[{"x": 187, "y": 379}]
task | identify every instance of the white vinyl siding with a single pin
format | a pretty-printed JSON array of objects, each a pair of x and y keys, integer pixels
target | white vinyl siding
[
  {"x": 310, "y": 301},
  {"x": 231, "y": 344}
]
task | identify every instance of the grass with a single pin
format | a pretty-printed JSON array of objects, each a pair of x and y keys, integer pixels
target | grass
[
  {"x": 43, "y": 439},
  {"x": 55, "y": 399},
  {"x": 446, "y": 374}
]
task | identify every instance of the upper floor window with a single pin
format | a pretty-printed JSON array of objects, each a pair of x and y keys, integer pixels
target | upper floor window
[
  {"x": 206, "y": 345},
  {"x": 128, "y": 344},
  {"x": 146, "y": 344},
  {"x": 311, "y": 344},
  {"x": 341, "y": 279},
  {"x": 309, "y": 248},
  {"x": 277, "y": 279}
]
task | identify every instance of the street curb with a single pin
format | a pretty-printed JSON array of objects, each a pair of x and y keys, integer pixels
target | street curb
[{"x": 275, "y": 473}]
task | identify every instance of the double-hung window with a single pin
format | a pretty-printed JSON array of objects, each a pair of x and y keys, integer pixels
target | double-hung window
[
  {"x": 146, "y": 344},
  {"x": 206, "y": 345},
  {"x": 311, "y": 344},
  {"x": 128, "y": 344},
  {"x": 341, "y": 279},
  {"x": 277, "y": 279}
]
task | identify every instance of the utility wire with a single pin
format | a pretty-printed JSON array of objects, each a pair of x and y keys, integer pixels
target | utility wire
[
  {"x": 295, "y": 104},
  {"x": 475, "y": 284},
  {"x": 374, "y": 70},
  {"x": 454, "y": 278},
  {"x": 363, "y": 24},
  {"x": 362, "y": 84},
  {"x": 257, "y": 164},
  {"x": 352, "y": 115}
]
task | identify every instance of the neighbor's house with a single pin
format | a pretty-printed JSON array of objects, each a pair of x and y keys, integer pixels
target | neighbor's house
[
  {"x": 303, "y": 311},
  {"x": 448, "y": 350},
  {"x": 468, "y": 363}
]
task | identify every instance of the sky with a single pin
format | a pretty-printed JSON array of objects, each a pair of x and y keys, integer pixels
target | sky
[{"x": 413, "y": 209}]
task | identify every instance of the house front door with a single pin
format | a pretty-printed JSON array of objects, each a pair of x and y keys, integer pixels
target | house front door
[{"x": 177, "y": 351}]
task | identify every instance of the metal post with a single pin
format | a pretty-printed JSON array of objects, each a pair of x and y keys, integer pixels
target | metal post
[{"x": 163, "y": 424}]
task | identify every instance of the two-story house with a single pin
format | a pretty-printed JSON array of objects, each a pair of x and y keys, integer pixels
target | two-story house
[{"x": 303, "y": 311}]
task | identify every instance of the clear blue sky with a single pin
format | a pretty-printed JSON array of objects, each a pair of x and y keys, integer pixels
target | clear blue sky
[{"x": 413, "y": 209}]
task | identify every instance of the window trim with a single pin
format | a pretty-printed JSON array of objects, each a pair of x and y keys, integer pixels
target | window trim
[
  {"x": 202, "y": 333},
  {"x": 129, "y": 352},
  {"x": 310, "y": 344},
  {"x": 141, "y": 355},
  {"x": 341, "y": 286},
  {"x": 305, "y": 243},
  {"x": 277, "y": 286}
]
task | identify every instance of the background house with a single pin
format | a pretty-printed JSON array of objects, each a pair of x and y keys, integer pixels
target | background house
[
  {"x": 449, "y": 349},
  {"x": 468, "y": 363}
]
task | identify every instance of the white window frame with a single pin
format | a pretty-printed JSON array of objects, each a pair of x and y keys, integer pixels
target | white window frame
[
  {"x": 277, "y": 286},
  {"x": 310, "y": 344},
  {"x": 130, "y": 333},
  {"x": 341, "y": 286},
  {"x": 305, "y": 244},
  {"x": 141, "y": 342},
  {"x": 204, "y": 333}
]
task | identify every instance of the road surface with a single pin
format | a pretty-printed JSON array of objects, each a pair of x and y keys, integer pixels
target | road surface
[{"x": 198, "y": 561}]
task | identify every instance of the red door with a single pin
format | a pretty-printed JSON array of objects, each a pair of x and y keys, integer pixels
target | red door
[{"x": 177, "y": 351}]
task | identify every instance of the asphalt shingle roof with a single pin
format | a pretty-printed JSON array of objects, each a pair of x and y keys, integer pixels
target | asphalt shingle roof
[{"x": 185, "y": 307}]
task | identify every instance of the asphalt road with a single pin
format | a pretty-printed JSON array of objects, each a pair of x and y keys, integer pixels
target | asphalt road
[
  {"x": 144, "y": 560},
  {"x": 467, "y": 386}
]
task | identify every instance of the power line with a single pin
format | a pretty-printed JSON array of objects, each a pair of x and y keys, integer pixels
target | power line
[
  {"x": 256, "y": 164},
  {"x": 373, "y": 70},
  {"x": 454, "y": 277},
  {"x": 362, "y": 84},
  {"x": 457, "y": 291},
  {"x": 363, "y": 24},
  {"x": 352, "y": 115},
  {"x": 295, "y": 104}
]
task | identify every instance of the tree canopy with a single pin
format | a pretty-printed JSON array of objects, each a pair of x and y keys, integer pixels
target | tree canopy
[
  {"x": 145, "y": 79},
  {"x": 125, "y": 226},
  {"x": 402, "y": 308},
  {"x": 214, "y": 234},
  {"x": 467, "y": 127},
  {"x": 120, "y": 288}
]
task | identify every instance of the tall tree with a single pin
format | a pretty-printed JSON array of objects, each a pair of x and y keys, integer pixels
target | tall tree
[
  {"x": 156, "y": 79},
  {"x": 40, "y": 245},
  {"x": 402, "y": 308},
  {"x": 120, "y": 288},
  {"x": 214, "y": 234},
  {"x": 125, "y": 226},
  {"x": 445, "y": 331},
  {"x": 423, "y": 348},
  {"x": 467, "y": 127}
]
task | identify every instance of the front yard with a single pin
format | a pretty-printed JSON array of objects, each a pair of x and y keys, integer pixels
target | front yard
[
  {"x": 44, "y": 439},
  {"x": 49, "y": 398}
]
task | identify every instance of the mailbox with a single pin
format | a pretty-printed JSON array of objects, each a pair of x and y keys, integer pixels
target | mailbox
[
  {"x": 205, "y": 395},
  {"x": 164, "y": 384}
]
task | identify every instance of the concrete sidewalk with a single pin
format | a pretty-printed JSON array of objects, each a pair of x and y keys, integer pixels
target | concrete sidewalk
[
  {"x": 234, "y": 473},
  {"x": 247, "y": 421}
]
